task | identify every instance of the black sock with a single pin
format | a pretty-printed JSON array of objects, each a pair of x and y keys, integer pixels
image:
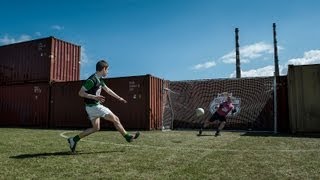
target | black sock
[{"x": 76, "y": 138}]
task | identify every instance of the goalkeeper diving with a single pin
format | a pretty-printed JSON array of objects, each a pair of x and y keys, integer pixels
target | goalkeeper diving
[{"x": 220, "y": 115}]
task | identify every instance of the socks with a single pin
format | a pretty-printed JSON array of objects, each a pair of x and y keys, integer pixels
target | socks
[
  {"x": 127, "y": 136},
  {"x": 76, "y": 138}
]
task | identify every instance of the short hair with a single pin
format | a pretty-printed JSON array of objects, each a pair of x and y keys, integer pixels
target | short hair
[{"x": 101, "y": 64}]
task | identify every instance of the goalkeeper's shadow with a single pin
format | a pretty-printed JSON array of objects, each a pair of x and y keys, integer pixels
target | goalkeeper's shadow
[{"x": 199, "y": 135}]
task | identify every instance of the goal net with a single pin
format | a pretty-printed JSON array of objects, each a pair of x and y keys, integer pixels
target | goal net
[{"x": 252, "y": 98}]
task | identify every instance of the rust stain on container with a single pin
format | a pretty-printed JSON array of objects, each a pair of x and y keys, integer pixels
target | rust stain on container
[
  {"x": 40, "y": 60},
  {"x": 24, "y": 105}
]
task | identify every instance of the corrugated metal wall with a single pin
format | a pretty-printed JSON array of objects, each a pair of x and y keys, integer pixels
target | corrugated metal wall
[
  {"x": 156, "y": 103},
  {"x": 25, "y": 105},
  {"x": 65, "y": 58},
  {"x": 66, "y": 107},
  {"x": 304, "y": 97},
  {"x": 41, "y": 60},
  {"x": 143, "y": 110},
  {"x": 145, "y": 101},
  {"x": 59, "y": 106},
  {"x": 135, "y": 89},
  {"x": 26, "y": 61}
]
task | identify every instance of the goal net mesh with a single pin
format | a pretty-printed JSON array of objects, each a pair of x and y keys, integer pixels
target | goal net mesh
[{"x": 252, "y": 98}]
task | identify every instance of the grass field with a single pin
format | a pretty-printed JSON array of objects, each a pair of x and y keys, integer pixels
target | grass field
[{"x": 44, "y": 154}]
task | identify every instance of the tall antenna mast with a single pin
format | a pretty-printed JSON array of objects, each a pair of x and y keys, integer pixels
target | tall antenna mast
[
  {"x": 276, "y": 60},
  {"x": 238, "y": 71}
]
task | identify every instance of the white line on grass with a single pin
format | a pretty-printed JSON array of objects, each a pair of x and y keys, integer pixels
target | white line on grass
[
  {"x": 133, "y": 145},
  {"x": 203, "y": 149}
]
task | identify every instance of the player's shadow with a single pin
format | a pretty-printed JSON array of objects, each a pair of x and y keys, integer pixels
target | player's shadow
[{"x": 63, "y": 153}]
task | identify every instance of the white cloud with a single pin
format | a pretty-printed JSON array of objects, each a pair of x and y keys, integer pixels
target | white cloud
[
  {"x": 57, "y": 27},
  {"x": 7, "y": 40},
  {"x": 37, "y": 33},
  {"x": 84, "y": 63},
  {"x": 260, "y": 72},
  {"x": 265, "y": 71},
  {"x": 10, "y": 40},
  {"x": 24, "y": 38},
  {"x": 205, "y": 65},
  {"x": 249, "y": 52},
  {"x": 84, "y": 57},
  {"x": 309, "y": 57}
]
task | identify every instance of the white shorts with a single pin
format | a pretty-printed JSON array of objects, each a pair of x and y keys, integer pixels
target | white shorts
[{"x": 97, "y": 111}]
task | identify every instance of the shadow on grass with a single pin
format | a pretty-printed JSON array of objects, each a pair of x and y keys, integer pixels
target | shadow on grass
[
  {"x": 271, "y": 134},
  {"x": 64, "y": 153},
  {"x": 206, "y": 132},
  {"x": 199, "y": 135}
]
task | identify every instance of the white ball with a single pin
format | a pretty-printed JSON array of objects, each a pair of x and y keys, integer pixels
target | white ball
[{"x": 199, "y": 112}]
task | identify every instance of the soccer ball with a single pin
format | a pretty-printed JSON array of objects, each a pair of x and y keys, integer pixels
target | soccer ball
[{"x": 199, "y": 112}]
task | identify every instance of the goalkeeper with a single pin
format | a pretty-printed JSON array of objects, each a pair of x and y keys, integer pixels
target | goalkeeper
[{"x": 220, "y": 115}]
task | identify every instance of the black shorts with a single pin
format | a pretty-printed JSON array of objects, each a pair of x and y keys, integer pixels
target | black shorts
[{"x": 216, "y": 116}]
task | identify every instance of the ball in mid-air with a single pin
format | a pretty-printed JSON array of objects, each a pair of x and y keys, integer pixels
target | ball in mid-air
[{"x": 199, "y": 112}]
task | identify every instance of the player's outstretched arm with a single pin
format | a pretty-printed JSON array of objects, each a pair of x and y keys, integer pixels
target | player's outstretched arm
[{"x": 113, "y": 94}]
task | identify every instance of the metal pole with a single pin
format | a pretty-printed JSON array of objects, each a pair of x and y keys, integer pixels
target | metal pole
[
  {"x": 276, "y": 74},
  {"x": 276, "y": 60},
  {"x": 275, "y": 105},
  {"x": 169, "y": 91},
  {"x": 238, "y": 71}
]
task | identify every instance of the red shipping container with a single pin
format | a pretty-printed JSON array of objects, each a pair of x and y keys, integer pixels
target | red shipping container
[
  {"x": 143, "y": 110},
  {"x": 25, "y": 105},
  {"x": 145, "y": 101},
  {"x": 40, "y": 60},
  {"x": 67, "y": 108}
]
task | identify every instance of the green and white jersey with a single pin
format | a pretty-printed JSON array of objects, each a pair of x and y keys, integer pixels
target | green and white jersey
[{"x": 93, "y": 85}]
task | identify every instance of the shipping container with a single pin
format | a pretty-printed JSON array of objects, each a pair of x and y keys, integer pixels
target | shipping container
[
  {"x": 41, "y": 60},
  {"x": 143, "y": 111},
  {"x": 304, "y": 97},
  {"x": 145, "y": 101},
  {"x": 156, "y": 102},
  {"x": 67, "y": 108},
  {"x": 25, "y": 105}
]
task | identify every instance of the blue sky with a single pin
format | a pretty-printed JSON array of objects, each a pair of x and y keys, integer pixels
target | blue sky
[{"x": 172, "y": 39}]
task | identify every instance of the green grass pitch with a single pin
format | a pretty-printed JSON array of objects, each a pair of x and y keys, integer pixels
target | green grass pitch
[{"x": 44, "y": 154}]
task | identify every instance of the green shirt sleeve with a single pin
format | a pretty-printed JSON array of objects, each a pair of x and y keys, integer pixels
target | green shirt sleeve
[
  {"x": 88, "y": 84},
  {"x": 102, "y": 83}
]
